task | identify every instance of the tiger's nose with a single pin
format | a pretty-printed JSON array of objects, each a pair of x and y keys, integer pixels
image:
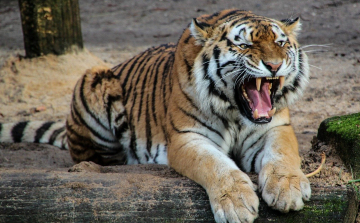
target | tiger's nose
[{"x": 273, "y": 68}]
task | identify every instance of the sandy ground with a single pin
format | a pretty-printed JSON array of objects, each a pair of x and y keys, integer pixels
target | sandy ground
[{"x": 116, "y": 30}]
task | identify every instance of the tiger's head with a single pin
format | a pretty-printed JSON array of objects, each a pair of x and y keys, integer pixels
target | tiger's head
[{"x": 249, "y": 62}]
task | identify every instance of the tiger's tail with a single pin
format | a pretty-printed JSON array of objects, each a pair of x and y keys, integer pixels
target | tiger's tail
[{"x": 53, "y": 133}]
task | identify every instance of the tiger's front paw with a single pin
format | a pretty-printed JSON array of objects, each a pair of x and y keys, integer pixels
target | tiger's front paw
[
  {"x": 234, "y": 199},
  {"x": 284, "y": 188}
]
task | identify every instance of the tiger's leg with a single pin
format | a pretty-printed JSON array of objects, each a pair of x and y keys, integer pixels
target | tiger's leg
[
  {"x": 231, "y": 193},
  {"x": 281, "y": 182}
]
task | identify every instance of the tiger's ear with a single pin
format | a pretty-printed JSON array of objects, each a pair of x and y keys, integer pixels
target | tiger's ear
[
  {"x": 200, "y": 31},
  {"x": 292, "y": 26}
]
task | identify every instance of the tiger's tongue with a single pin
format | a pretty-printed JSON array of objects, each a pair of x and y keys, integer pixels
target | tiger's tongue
[{"x": 260, "y": 99}]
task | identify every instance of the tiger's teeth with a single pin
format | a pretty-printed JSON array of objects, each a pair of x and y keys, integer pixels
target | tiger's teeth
[
  {"x": 271, "y": 112},
  {"x": 256, "y": 114},
  {"x": 258, "y": 83},
  {"x": 282, "y": 81},
  {"x": 270, "y": 86}
]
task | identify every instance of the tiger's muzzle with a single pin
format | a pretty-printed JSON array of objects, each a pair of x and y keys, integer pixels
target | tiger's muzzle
[{"x": 255, "y": 97}]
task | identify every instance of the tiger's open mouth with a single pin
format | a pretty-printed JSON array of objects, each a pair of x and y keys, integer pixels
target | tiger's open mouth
[{"x": 256, "y": 97}]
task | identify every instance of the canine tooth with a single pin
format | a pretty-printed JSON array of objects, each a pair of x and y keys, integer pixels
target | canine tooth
[
  {"x": 256, "y": 114},
  {"x": 270, "y": 86},
  {"x": 271, "y": 112},
  {"x": 282, "y": 81},
  {"x": 258, "y": 83}
]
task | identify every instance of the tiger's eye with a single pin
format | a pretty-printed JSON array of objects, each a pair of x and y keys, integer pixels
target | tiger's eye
[
  {"x": 281, "y": 43},
  {"x": 244, "y": 46}
]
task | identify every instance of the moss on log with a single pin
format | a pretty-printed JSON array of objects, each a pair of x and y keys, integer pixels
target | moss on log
[
  {"x": 343, "y": 132},
  {"x": 139, "y": 193}
]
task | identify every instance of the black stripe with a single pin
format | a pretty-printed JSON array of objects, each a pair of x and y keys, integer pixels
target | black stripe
[
  {"x": 252, "y": 35},
  {"x": 170, "y": 80},
  {"x": 155, "y": 89},
  {"x": 94, "y": 132},
  {"x": 212, "y": 16},
  {"x": 84, "y": 142},
  {"x": 188, "y": 98},
  {"x": 157, "y": 153},
  {"x": 167, "y": 65},
  {"x": 236, "y": 21},
  {"x": 0, "y": 128},
  {"x": 18, "y": 131},
  {"x": 248, "y": 135},
  {"x": 230, "y": 62},
  {"x": 186, "y": 41},
  {"x": 212, "y": 89},
  {"x": 97, "y": 80},
  {"x": 110, "y": 100},
  {"x": 132, "y": 108},
  {"x": 133, "y": 63},
  {"x": 148, "y": 127},
  {"x": 254, "y": 159},
  {"x": 117, "y": 66},
  {"x": 55, "y": 134},
  {"x": 119, "y": 116},
  {"x": 188, "y": 69},
  {"x": 74, "y": 116},
  {"x": 229, "y": 43},
  {"x": 143, "y": 86},
  {"x": 234, "y": 12},
  {"x": 81, "y": 140},
  {"x": 40, "y": 131},
  {"x": 121, "y": 129},
  {"x": 188, "y": 131},
  {"x": 123, "y": 66},
  {"x": 255, "y": 152},
  {"x": 223, "y": 36},
  {"x": 201, "y": 122},
  {"x": 133, "y": 144},
  {"x": 216, "y": 53},
  {"x": 137, "y": 73},
  {"x": 86, "y": 106},
  {"x": 301, "y": 68},
  {"x": 205, "y": 62},
  {"x": 223, "y": 120}
]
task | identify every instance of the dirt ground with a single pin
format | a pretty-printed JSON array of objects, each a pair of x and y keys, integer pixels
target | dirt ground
[{"x": 114, "y": 31}]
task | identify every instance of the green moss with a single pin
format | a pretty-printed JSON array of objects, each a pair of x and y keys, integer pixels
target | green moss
[
  {"x": 343, "y": 132},
  {"x": 329, "y": 207},
  {"x": 348, "y": 127}
]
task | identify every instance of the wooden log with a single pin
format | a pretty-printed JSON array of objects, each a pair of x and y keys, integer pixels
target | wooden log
[
  {"x": 50, "y": 26},
  {"x": 138, "y": 193}
]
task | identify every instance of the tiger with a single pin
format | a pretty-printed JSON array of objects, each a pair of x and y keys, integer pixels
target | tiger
[{"x": 212, "y": 107}]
